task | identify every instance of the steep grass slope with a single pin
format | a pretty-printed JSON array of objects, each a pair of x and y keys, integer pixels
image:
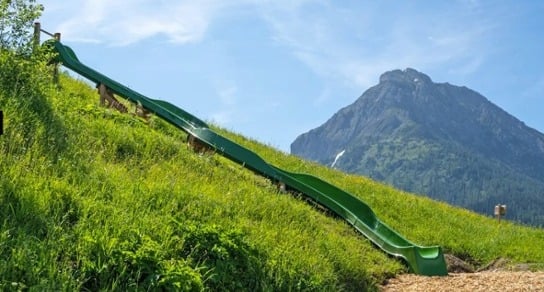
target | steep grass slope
[
  {"x": 479, "y": 239},
  {"x": 92, "y": 199}
]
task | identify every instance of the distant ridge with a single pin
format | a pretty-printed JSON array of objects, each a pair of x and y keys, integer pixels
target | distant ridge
[{"x": 447, "y": 142}]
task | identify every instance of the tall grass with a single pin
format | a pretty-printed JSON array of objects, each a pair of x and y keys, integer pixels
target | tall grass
[
  {"x": 479, "y": 239},
  {"x": 95, "y": 200},
  {"x": 92, "y": 199}
]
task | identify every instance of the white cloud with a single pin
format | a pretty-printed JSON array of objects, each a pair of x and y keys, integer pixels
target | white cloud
[
  {"x": 359, "y": 44},
  {"x": 123, "y": 22},
  {"x": 223, "y": 118},
  {"x": 535, "y": 91},
  {"x": 325, "y": 94},
  {"x": 226, "y": 93},
  {"x": 350, "y": 44}
]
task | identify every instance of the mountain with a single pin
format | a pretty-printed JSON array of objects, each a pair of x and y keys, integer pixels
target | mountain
[{"x": 444, "y": 141}]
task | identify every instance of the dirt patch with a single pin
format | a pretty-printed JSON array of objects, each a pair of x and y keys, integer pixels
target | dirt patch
[
  {"x": 498, "y": 275},
  {"x": 499, "y": 264},
  {"x": 481, "y": 281}
]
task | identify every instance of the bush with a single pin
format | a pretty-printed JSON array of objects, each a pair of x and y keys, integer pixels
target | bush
[
  {"x": 133, "y": 262},
  {"x": 229, "y": 262}
]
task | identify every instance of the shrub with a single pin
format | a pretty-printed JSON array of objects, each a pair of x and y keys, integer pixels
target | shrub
[{"x": 229, "y": 262}]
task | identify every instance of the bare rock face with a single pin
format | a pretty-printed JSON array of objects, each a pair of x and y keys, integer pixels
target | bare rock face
[{"x": 444, "y": 141}]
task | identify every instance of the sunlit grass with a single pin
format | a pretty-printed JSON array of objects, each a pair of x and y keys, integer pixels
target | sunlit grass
[
  {"x": 117, "y": 205},
  {"x": 93, "y": 199},
  {"x": 420, "y": 219}
]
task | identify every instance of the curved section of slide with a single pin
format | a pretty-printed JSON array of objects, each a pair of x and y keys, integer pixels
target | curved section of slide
[{"x": 421, "y": 260}]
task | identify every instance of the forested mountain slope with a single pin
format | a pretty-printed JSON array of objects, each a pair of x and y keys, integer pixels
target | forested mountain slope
[{"x": 444, "y": 141}]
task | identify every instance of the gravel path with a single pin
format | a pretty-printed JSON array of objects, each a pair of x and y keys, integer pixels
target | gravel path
[{"x": 481, "y": 281}]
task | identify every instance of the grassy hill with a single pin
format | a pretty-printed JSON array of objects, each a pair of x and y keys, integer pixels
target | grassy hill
[{"x": 92, "y": 199}]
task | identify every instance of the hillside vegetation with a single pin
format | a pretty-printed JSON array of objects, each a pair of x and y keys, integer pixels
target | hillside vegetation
[{"x": 91, "y": 199}]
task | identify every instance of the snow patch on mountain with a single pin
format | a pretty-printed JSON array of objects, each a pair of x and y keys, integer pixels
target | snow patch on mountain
[{"x": 337, "y": 157}]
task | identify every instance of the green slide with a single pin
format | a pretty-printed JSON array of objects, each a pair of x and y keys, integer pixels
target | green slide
[{"x": 421, "y": 260}]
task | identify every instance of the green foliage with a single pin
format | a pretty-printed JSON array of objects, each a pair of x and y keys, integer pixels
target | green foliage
[
  {"x": 16, "y": 20},
  {"x": 91, "y": 199},
  {"x": 231, "y": 263},
  {"x": 451, "y": 175},
  {"x": 24, "y": 85},
  {"x": 466, "y": 234},
  {"x": 133, "y": 261},
  {"x": 96, "y": 200}
]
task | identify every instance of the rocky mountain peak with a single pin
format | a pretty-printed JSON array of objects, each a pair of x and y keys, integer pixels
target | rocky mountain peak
[
  {"x": 448, "y": 142},
  {"x": 407, "y": 75}
]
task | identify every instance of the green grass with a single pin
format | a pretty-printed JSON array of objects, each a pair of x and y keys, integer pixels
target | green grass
[
  {"x": 95, "y": 200},
  {"x": 466, "y": 234}
]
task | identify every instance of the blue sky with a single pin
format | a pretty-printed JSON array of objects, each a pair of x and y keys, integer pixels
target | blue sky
[{"x": 274, "y": 69}]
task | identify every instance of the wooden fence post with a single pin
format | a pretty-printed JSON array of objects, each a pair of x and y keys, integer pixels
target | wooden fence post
[
  {"x": 499, "y": 211},
  {"x": 37, "y": 32},
  {"x": 56, "y": 68}
]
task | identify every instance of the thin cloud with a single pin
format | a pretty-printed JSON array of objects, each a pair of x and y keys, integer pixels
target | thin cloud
[
  {"x": 344, "y": 44},
  {"x": 352, "y": 45},
  {"x": 123, "y": 22},
  {"x": 223, "y": 118},
  {"x": 535, "y": 90},
  {"x": 227, "y": 91},
  {"x": 227, "y": 94}
]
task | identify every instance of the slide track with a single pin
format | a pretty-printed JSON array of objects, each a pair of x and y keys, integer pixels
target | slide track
[{"x": 421, "y": 260}]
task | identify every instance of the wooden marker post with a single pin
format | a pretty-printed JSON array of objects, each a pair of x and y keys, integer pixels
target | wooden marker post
[
  {"x": 1, "y": 122},
  {"x": 37, "y": 32},
  {"x": 500, "y": 210},
  {"x": 56, "y": 68},
  {"x": 36, "y": 44}
]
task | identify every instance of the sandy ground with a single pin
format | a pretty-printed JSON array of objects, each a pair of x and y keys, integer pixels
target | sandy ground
[{"x": 481, "y": 281}]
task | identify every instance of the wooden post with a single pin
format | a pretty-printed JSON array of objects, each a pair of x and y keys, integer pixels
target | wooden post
[
  {"x": 198, "y": 146},
  {"x": 142, "y": 112},
  {"x": 500, "y": 210},
  {"x": 56, "y": 68},
  {"x": 37, "y": 33},
  {"x": 281, "y": 187},
  {"x": 108, "y": 99},
  {"x": 1, "y": 122}
]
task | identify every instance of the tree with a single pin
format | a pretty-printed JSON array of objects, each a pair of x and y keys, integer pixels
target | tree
[{"x": 16, "y": 20}]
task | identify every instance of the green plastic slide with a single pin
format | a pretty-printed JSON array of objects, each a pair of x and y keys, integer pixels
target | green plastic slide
[{"x": 421, "y": 260}]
